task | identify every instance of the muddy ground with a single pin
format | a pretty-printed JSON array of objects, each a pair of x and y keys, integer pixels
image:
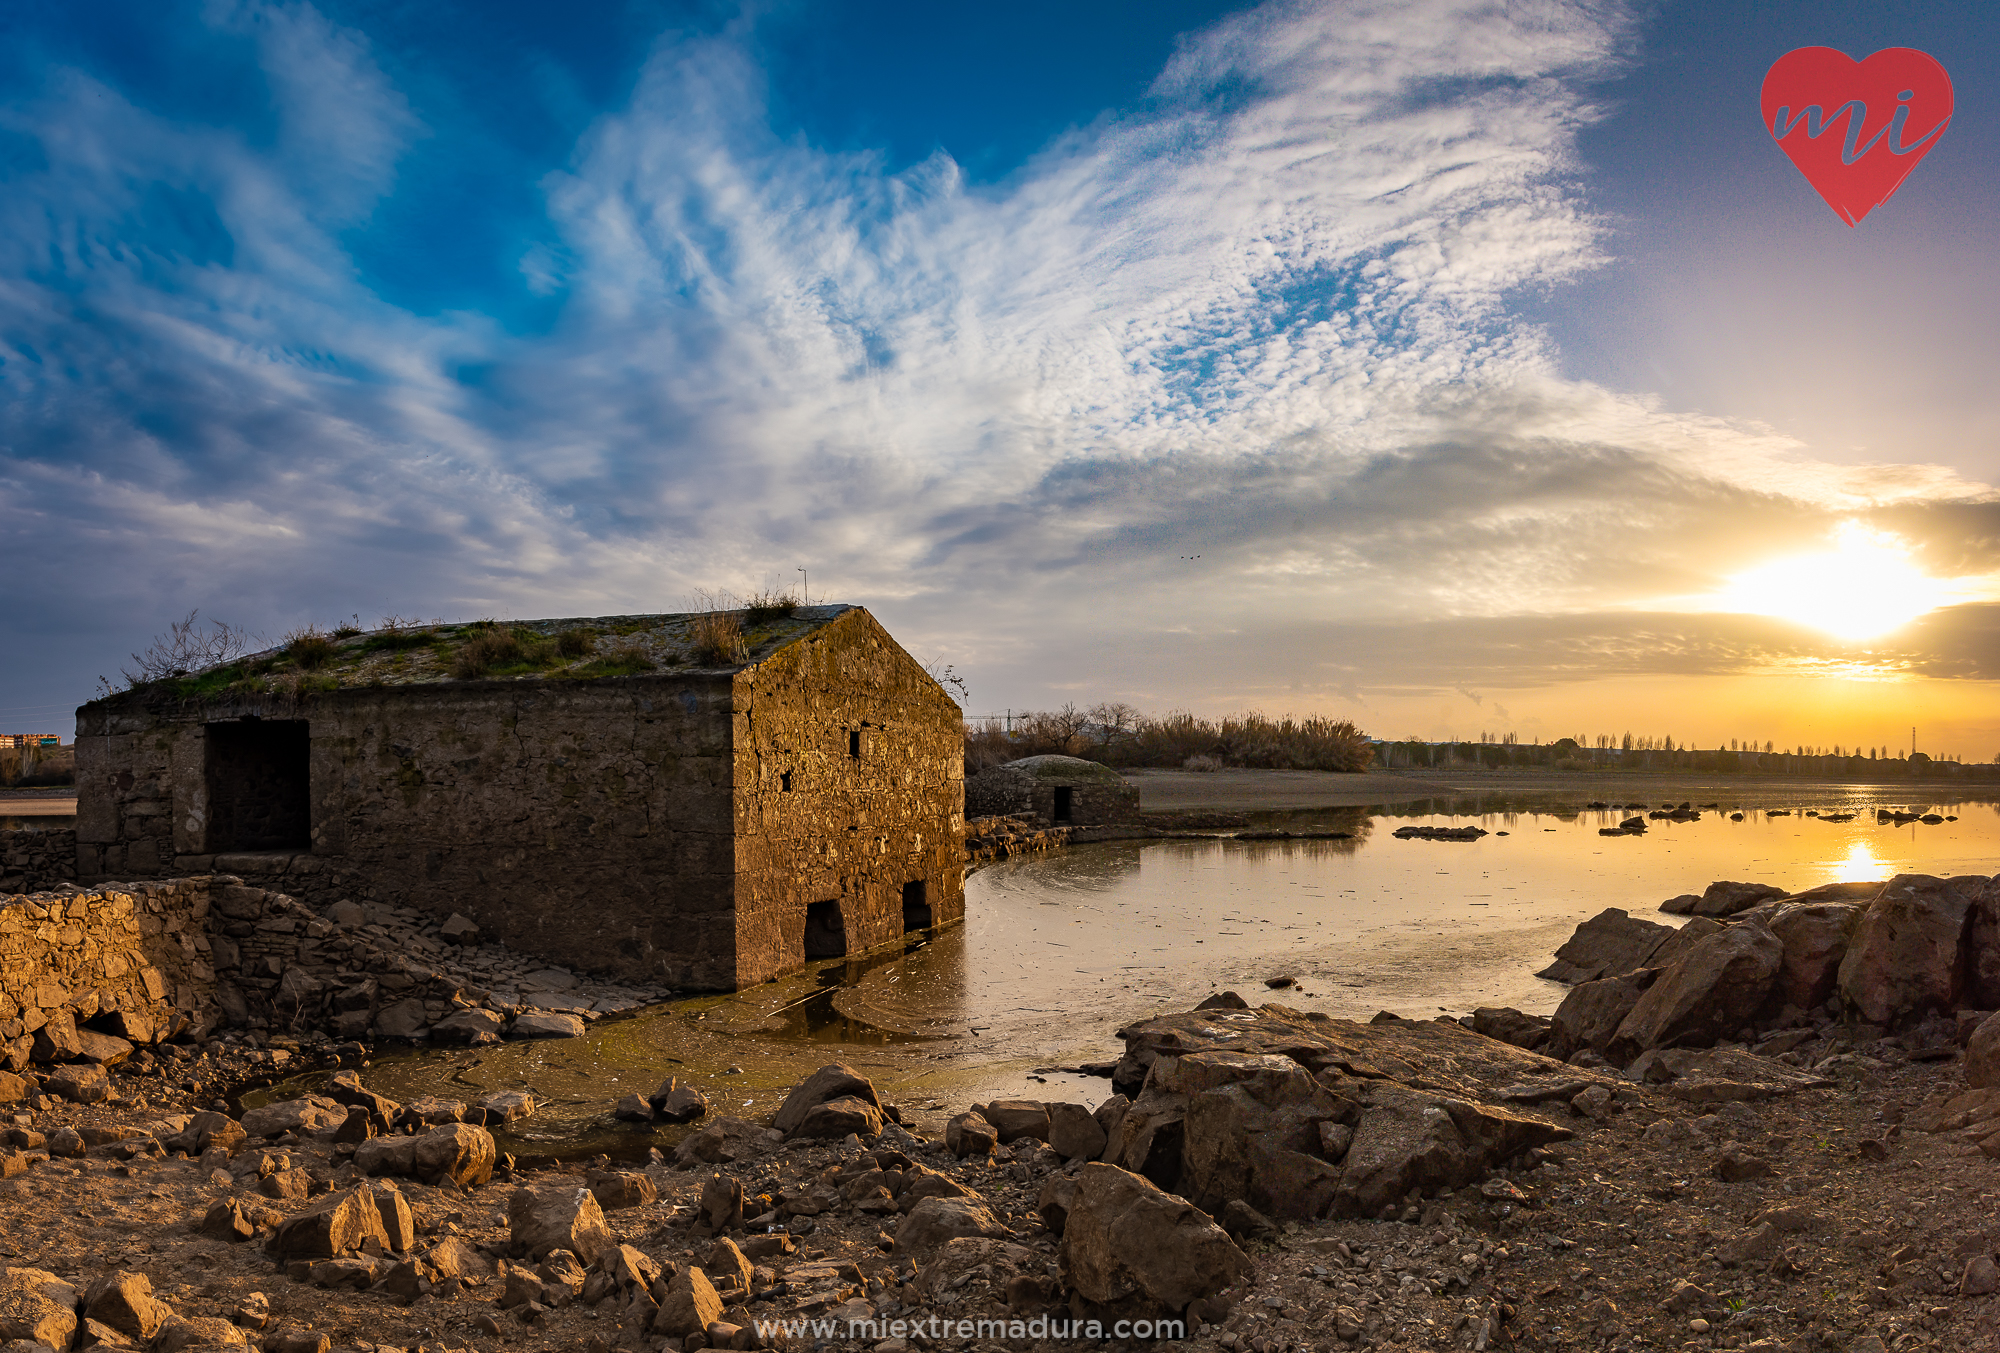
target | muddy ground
[{"x": 1627, "y": 1237}]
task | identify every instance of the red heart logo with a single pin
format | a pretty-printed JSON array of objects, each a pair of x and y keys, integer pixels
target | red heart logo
[{"x": 1855, "y": 128}]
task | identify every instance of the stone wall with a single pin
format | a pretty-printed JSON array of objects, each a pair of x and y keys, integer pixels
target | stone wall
[
  {"x": 33, "y": 861},
  {"x": 664, "y": 828},
  {"x": 145, "y": 961},
  {"x": 131, "y": 962},
  {"x": 849, "y": 771}
]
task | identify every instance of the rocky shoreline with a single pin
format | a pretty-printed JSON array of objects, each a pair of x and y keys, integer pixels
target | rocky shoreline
[{"x": 1714, "y": 1172}]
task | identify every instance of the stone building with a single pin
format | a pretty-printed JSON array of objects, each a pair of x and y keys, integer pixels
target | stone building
[
  {"x": 636, "y": 795},
  {"x": 1053, "y": 791}
]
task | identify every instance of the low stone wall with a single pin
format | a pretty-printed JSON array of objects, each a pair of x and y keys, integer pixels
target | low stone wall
[
  {"x": 130, "y": 962},
  {"x": 147, "y": 961},
  {"x": 371, "y": 972},
  {"x": 36, "y": 861}
]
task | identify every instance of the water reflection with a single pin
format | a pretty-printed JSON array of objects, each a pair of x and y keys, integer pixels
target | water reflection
[{"x": 1057, "y": 951}]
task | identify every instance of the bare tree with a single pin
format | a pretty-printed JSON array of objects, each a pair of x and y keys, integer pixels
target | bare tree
[{"x": 185, "y": 648}]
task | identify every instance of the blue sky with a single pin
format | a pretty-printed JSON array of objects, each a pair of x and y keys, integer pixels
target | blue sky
[{"x": 1475, "y": 349}]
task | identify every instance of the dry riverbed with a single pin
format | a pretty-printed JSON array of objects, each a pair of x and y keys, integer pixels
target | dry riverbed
[{"x": 1817, "y": 1220}]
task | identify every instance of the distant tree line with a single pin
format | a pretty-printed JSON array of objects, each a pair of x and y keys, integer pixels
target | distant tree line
[
  {"x": 1663, "y": 753},
  {"x": 1119, "y": 735}
]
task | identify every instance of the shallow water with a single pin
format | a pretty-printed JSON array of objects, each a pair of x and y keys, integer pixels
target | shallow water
[{"x": 1058, "y": 950}]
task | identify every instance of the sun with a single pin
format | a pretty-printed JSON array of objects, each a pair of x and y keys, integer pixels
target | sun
[{"x": 1862, "y": 588}]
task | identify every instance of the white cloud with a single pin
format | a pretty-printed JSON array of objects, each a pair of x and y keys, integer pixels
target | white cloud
[{"x": 1266, "y": 318}]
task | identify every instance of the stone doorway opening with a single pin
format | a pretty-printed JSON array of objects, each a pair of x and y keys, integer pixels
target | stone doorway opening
[
  {"x": 826, "y": 931},
  {"x": 258, "y": 773},
  {"x": 916, "y": 907},
  {"x": 1065, "y": 804}
]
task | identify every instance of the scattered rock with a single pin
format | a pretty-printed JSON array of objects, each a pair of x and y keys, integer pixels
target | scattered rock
[
  {"x": 338, "y": 1225},
  {"x": 1133, "y": 1250},
  {"x": 124, "y": 1301},
  {"x": 689, "y": 1305},
  {"x": 38, "y": 1306},
  {"x": 829, "y": 1083},
  {"x": 969, "y": 1134},
  {"x": 546, "y": 1024},
  {"x": 1706, "y": 994},
  {"x": 935, "y": 1221},
  {"x": 540, "y": 1220},
  {"x": 615, "y": 1189},
  {"x": 1608, "y": 944}
]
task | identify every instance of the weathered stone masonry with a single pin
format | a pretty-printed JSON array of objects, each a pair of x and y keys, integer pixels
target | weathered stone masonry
[
  {"x": 703, "y": 828},
  {"x": 32, "y": 861},
  {"x": 132, "y": 962}
]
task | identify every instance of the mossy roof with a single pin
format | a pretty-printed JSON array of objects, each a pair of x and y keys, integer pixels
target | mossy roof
[
  {"x": 421, "y": 654},
  {"x": 1051, "y": 767}
]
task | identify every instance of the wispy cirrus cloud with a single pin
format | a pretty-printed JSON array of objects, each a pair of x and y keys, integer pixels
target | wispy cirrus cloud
[{"x": 1269, "y": 317}]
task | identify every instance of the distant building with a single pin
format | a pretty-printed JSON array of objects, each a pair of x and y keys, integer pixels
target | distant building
[
  {"x": 611, "y": 793},
  {"x": 1053, "y": 791},
  {"x": 11, "y": 740}
]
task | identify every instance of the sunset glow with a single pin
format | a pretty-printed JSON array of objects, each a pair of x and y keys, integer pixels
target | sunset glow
[{"x": 1864, "y": 587}]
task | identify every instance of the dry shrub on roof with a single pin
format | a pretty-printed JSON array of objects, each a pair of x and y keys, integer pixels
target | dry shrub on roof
[
  {"x": 717, "y": 638},
  {"x": 760, "y": 607},
  {"x": 490, "y": 648},
  {"x": 309, "y": 648}
]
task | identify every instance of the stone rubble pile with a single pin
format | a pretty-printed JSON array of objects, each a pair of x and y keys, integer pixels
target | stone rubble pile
[{"x": 1754, "y": 966}]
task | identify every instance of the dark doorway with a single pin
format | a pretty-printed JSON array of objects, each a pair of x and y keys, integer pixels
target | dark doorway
[
  {"x": 1065, "y": 797},
  {"x": 916, "y": 909},
  {"x": 826, "y": 933},
  {"x": 259, "y": 776}
]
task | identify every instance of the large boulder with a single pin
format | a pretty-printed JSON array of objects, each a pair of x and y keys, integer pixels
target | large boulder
[
  {"x": 1727, "y": 899},
  {"x": 833, "y": 1119},
  {"x": 37, "y": 1306},
  {"x": 934, "y": 1221},
  {"x": 1149, "y": 1135},
  {"x": 1982, "y": 940},
  {"x": 1252, "y": 1132},
  {"x": 1409, "y": 1139},
  {"x": 1074, "y": 1132},
  {"x": 1130, "y": 1250},
  {"x": 1982, "y": 1055},
  {"x": 1816, "y": 936},
  {"x": 1590, "y": 1014},
  {"x": 540, "y": 1220},
  {"x": 1907, "y": 956},
  {"x": 457, "y": 1153},
  {"x": 338, "y": 1225},
  {"x": 1708, "y": 993},
  {"x": 1511, "y": 1026},
  {"x": 1609, "y": 943},
  {"x": 124, "y": 1301},
  {"x": 1014, "y": 1119},
  {"x": 828, "y": 1083},
  {"x": 305, "y": 1116},
  {"x": 690, "y": 1306}
]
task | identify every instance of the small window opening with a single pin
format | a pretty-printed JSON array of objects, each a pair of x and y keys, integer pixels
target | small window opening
[
  {"x": 854, "y": 743},
  {"x": 826, "y": 933},
  {"x": 785, "y": 781},
  {"x": 916, "y": 910},
  {"x": 258, "y": 774},
  {"x": 1065, "y": 799}
]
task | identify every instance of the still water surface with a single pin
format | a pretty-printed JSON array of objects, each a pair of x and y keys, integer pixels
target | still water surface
[{"x": 1058, "y": 950}]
